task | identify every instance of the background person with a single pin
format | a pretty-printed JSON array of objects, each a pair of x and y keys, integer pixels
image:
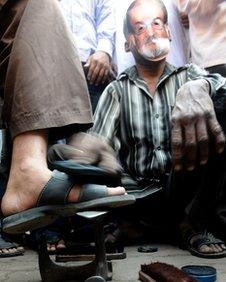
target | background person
[
  {"x": 207, "y": 33},
  {"x": 93, "y": 26}
]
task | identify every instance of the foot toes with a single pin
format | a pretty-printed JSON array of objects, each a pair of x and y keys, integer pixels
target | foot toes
[
  {"x": 212, "y": 248},
  {"x": 206, "y": 249},
  {"x": 116, "y": 191},
  {"x": 12, "y": 250},
  {"x": 51, "y": 247},
  {"x": 223, "y": 246},
  {"x": 5, "y": 251},
  {"x": 61, "y": 245},
  {"x": 20, "y": 248},
  {"x": 218, "y": 247}
]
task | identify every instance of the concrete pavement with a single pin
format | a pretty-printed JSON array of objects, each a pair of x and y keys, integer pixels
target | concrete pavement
[{"x": 25, "y": 268}]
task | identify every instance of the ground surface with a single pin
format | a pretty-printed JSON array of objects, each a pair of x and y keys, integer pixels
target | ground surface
[{"x": 25, "y": 269}]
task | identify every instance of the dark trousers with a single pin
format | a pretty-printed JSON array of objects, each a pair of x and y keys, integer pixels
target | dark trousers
[
  {"x": 199, "y": 195},
  {"x": 94, "y": 91}
]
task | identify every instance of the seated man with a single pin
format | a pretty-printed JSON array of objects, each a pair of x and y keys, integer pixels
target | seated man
[
  {"x": 162, "y": 122},
  {"x": 45, "y": 96}
]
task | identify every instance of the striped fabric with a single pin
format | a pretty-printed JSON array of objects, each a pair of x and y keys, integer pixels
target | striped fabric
[{"x": 137, "y": 123}]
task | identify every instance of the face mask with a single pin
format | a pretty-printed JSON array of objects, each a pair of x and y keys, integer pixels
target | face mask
[{"x": 159, "y": 52}]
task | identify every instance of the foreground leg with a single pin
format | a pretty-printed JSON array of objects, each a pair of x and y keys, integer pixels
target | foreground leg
[{"x": 29, "y": 173}]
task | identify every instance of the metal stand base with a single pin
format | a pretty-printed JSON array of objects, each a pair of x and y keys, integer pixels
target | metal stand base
[
  {"x": 52, "y": 272},
  {"x": 67, "y": 258}
]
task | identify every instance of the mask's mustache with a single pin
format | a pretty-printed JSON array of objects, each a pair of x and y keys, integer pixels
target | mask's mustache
[
  {"x": 160, "y": 50},
  {"x": 151, "y": 39}
]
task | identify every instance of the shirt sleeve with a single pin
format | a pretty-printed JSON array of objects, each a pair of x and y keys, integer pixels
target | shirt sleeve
[
  {"x": 105, "y": 26},
  {"x": 217, "y": 85},
  {"x": 107, "y": 114}
]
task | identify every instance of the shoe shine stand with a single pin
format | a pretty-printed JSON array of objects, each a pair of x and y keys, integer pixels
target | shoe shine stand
[{"x": 51, "y": 271}]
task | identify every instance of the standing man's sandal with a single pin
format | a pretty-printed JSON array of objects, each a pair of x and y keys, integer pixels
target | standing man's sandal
[{"x": 204, "y": 238}]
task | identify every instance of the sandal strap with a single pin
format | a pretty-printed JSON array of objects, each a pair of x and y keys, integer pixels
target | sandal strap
[
  {"x": 207, "y": 239},
  {"x": 54, "y": 239},
  {"x": 92, "y": 191},
  {"x": 56, "y": 190},
  {"x": 5, "y": 244}
]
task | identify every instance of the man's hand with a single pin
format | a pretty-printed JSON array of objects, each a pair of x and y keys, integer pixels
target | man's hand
[
  {"x": 88, "y": 149},
  {"x": 99, "y": 68},
  {"x": 193, "y": 124},
  {"x": 184, "y": 20}
]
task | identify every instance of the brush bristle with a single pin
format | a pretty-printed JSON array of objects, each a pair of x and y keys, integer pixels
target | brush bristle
[{"x": 163, "y": 272}]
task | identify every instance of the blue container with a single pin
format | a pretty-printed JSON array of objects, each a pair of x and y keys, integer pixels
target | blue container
[{"x": 201, "y": 273}]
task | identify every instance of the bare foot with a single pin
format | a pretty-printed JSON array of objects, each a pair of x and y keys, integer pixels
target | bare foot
[
  {"x": 202, "y": 242},
  {"x": 12, "y": 249},
  {"x": 57, "y": 246},
  {"x": 208, "y": 248},
  {"x": 26, "y": 183}
]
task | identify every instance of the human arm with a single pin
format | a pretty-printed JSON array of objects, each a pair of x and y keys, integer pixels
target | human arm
[
  {"x": 99, "y": 67},
  {"x": 184, "y": 7},
  {"x": 194, "y": 120},
  {"x": 107, "y": 114},
  {"x": 99, "y": 63},
  {"x": 94, "y": 147},
  {"x": 184, "y": 19}
]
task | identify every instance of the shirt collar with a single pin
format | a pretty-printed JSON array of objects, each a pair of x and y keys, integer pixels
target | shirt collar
[{"x": 132, "y": 74}]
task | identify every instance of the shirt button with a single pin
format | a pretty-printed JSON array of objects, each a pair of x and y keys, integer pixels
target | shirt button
[
  {"x": 157, "y": 116},
  {"x": 158, "y": 148}
]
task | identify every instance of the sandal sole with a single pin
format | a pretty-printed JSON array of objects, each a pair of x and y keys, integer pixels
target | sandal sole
[{"x": 42, "y": 216}]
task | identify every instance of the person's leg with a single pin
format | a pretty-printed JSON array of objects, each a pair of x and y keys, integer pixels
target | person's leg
[
  {"x": 7, "y": 247},
  {"x": 29, "y": 173},
  {"x": 95, "y": 93},
  {"x": 198, "y": 195},
  {"x": 149, "y": 215},
  {"x": 193, "y": 196},
  {"x": 55, "y": 241},
  {"x": 55, "y": 236},
  {"x": 40, "y": 102},
  {"x": 37, "y": 95}
]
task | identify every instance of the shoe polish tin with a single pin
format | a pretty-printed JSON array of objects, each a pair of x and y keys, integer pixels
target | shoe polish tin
[{"x": 201, "y": 273}]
